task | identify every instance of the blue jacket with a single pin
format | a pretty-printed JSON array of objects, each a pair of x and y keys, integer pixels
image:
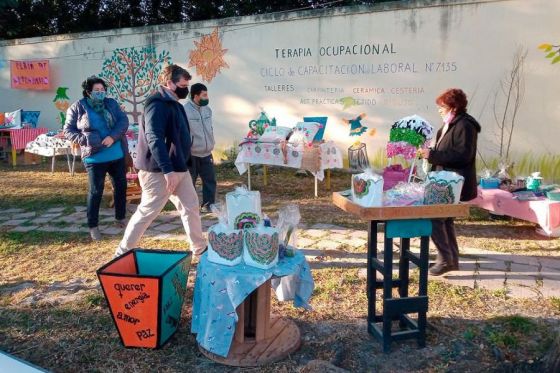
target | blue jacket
[
  {"x": 77, "y": 127},
  {"x": 164, "y": 141}
]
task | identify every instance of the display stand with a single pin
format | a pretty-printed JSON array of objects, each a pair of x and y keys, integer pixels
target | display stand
[
  {"x": 402, "y": 222},
  {"x": 259, "y": 338}
]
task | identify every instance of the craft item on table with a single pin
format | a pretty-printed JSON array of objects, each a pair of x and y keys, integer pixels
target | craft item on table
[
  {"x": 526, "y": 195},
  {"x": 520, "y": 182},
  {"x": 356, "y": 127},
  {"x": 487, "y": 181},
  {"x": 30, "y": 118},
  {"x": 367, "y": 189},
  {"x": 358, "y": 160},
  {"x": 534, "y": 181},
  {"x": 276, "y": 133},
  {"x": 259, "y": 125},
  {"x": 406, "y": 136},
  {"x": 404, "y": 194},
  {"x": 443, "y": 187},
  {"x": 243, "y": 208},
  {"x": 225, "y": 245},
  {"x": 553, "y": 194},
  {"x": 504, "y": 169},
  {"x": 12, "y": 119},
  {"x": 394, "y": 174},
  {"x": 304, "y": 133},
  {"x": 288, "y": 220},
  {"x": 323, "y": 122},
  {"x": 145, "y": 290},
  {"x": 261, "y": 247},
  {"x": 311, "y": 159}
]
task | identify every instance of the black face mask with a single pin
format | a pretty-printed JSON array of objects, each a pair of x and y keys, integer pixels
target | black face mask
[{"x": 182, "y": 92}]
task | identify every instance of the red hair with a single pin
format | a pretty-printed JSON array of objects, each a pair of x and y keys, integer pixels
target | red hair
[{"x": 453, "y": 98}]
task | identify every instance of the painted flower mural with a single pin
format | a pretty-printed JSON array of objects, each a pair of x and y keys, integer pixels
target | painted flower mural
[
  {"x": 132, "y": 76},
  {"x": 208, "y": 57}
]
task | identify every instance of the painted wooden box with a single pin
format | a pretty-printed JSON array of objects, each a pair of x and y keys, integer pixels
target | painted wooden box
[{"x": 145, "y": 290}]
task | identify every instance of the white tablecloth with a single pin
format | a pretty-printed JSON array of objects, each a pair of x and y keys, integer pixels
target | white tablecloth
[
  {"x": 47, "y": 146},
  {"x": 270, "y": 153}
]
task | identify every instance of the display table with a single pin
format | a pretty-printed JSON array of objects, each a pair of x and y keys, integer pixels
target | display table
[
  {"x": 17, "y": 139},
  {"x": 275, "y": 153},
  {"x": 231, "y": 310},
  {"x": 544, "y": 212},
  {"x": 405, "y": 223},
  {"x": 51, "y": 146}
]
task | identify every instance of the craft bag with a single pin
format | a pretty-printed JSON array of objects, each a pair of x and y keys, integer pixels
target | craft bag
[
  {"x": 367, "y": 189},
  {"x": 443, "y": 187},
  {"x": 261, "y": 247},
  {"x": 394, "y": 174},
  {"x": 243, "y": 208},
  {"x": 225, "y": 245},
  {"x": 288, "y": 220}
]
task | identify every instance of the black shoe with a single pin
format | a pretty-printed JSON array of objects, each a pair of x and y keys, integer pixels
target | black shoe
[
  {"x": 440, "y": 268},
  {"x": 205, "y": 209}
]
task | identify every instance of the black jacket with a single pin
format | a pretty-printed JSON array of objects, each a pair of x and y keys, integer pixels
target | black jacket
[
  {"x": 457, "y": 152},
  {"x": 164, "y": 140}
]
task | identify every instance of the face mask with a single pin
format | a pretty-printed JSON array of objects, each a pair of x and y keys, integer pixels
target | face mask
[
  {"x": 98, "y": 95},
  {"x": 203, "y": 102},
  {"x": 448, "y": 117},
  {"x": 182, "y": 92}
]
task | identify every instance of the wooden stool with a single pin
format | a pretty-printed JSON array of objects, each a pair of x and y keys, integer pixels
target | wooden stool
[{"x": 259, "y": 337}]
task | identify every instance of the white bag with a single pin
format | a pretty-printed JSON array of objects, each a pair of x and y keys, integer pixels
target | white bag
[
  {"x": 443, "y": 187},
  {"x": 225, "y": 245},
  {"x": 261, "y": 247},
  {"x": 243, "y": 208},
  {"x": 367, "y": 189}
]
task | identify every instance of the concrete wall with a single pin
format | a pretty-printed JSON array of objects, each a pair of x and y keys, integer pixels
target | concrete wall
[{"x": 395, "y": 59}]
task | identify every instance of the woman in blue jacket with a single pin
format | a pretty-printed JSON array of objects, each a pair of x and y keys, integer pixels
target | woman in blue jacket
[{"x": 98, "y": 125}]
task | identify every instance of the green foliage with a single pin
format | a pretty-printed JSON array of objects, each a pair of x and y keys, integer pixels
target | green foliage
[
  {"x": 132, "y": 76},
  {"x": 552, "y": 52}
]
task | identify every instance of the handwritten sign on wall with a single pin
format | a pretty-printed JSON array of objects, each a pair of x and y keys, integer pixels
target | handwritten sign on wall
[{"x": 32, "y": 75}]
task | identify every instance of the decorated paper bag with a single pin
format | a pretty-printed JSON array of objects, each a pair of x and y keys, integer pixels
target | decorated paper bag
[
  {"x": 225, "y": 245},
  {"x": 367, "y": 189},
  {"x": 243, "y": 208},
  {"x": 443, "y": 187},
  {"x": 394, "y": 174},
  {"x": 261, "y": 247}
]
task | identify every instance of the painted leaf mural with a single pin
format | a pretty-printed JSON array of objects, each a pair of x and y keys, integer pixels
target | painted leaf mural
[
  {"x": 208, "y": 56},
  {"x": 132, "y": 76}
]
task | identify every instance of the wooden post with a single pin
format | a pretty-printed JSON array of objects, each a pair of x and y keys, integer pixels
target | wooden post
[
  {"x": 328, "y": 179},
  {"x": 265, "y": 175},
  {"x": 249, "y": 176},
  {"x": 14, "y": 156},
  {"x": 263, "y": 311},
  {"x": 316, "y": 187}
]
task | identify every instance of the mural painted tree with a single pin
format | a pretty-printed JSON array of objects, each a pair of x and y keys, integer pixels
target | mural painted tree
[
  {"x": 131, "y": 75},
  {"x": 552, "y": 52}
]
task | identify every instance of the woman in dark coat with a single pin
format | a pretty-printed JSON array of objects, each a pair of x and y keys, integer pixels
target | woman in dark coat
[
  {"x": 455, "y": 150},
  {"x": 98, "y": 124}
]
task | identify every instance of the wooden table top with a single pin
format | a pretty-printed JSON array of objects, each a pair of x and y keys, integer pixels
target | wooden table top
[{"x": 400, "y": 212}]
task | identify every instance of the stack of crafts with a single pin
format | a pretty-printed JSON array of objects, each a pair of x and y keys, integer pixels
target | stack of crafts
[
  {"x": 407, "y": 135},
  {"x": 241, "y": 234}
]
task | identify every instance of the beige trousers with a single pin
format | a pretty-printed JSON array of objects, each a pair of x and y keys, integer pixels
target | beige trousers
[{"x": 154, "y": 198}]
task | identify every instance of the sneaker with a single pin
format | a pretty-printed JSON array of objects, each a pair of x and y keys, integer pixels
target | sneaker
[
  {"x": 205, "y": 209},
  {"x": 120, "y": 223},
  {"x": 199, "y": 254},
  {"x": 95, "y": 234}
]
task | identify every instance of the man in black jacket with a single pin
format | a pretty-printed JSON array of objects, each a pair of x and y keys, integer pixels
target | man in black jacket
[{"x": 163, "y": 155}]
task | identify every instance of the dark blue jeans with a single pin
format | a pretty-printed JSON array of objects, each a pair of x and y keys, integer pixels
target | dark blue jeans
[
  {"x": 96, "y": 177},
  {"x": 204, "y": 167}
]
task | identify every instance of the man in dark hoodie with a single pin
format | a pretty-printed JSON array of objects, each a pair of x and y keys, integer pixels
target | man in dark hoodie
[
  {"x": 163, "y": 156},
  {"x": 455, "y": 150}
]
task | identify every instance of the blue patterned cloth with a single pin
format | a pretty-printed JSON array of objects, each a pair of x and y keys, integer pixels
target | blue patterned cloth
[{"x": 220, "y": 289}]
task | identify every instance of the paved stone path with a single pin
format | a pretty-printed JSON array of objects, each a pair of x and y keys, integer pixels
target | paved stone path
[{"x": 326, "y": 246}]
